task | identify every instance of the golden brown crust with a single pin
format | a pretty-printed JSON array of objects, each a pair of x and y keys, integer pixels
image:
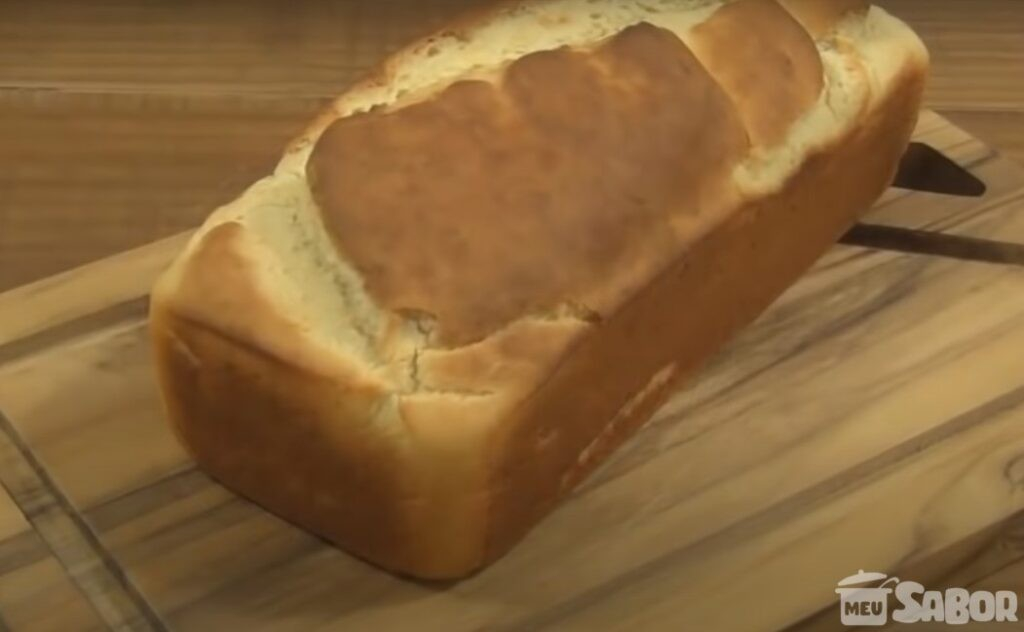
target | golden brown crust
[
  {"x": 460, "y": 27},
  {"x": 436, "y": 478},
  {"x": 317, "y": 440},
  {"x": 307, "y": 447},
  {"x": 435, "y": 220},
  {"x": 686, "y": 314},
  {"x": 766, "y": 62}
]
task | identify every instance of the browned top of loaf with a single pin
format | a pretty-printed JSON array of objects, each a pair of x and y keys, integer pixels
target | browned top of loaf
[
  {"x": 570, "y": 180},
  {"x": 765, "y": 61}
]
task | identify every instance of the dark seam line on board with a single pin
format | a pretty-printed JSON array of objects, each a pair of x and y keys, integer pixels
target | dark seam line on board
[
  {"x": 871, "y": 470},
  {"x": 168, "y": 529},
  {"x": 100, "y": 509},
  {"x": 76, "y": 327},
  {"x": 64, "y": 506}
]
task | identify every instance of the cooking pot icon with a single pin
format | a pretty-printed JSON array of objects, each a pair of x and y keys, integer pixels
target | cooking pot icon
[{"x": 863, "y": 605}]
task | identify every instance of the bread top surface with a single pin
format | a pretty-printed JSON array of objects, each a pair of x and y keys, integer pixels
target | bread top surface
[
  {"x": 765, "y": 61},
  {"x": 554, "y": 186},
  {"x": 484, "y": 210},
  {"x": 559, "y": 182}
]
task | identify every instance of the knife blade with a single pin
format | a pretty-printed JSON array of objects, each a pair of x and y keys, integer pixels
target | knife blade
[
  {"x": 924, "y": 168},
  {"x": 923, "y": 242}
]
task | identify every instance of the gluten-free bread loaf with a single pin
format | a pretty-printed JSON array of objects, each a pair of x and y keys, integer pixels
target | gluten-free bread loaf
[{"x": 483, "y": 268}]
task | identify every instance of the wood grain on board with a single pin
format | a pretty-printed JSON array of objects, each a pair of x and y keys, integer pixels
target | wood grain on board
[
  {"x": 36, "y": 593},
  {"x": 988, "y": 560},
  {"x": 946, "y": 213},
  {"x": 871, "y": 419},
  {"x": 124, "y": 121}
]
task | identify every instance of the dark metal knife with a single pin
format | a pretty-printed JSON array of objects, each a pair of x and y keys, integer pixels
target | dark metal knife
[{"x": 924, "y": 168}]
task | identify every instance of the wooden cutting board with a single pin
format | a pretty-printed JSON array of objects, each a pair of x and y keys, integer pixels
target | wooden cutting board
[{"x": 872, "y": 419}]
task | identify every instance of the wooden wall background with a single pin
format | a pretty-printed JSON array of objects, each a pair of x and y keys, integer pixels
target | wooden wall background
[{"x": 122, "y": 121}]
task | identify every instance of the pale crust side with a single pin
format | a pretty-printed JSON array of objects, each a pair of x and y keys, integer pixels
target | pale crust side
[{"x": 437, "y": 482}]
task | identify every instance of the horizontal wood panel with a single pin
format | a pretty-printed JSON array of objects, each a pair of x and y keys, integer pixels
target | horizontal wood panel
[
  {"x": 977, "y": 51},
  {"x": 259, "y": 47},
  {"x": 977, "y": 55},
  {"x": 103, "y": 173},
  {"x": 126, "y": 121},
  {"x": 316, "y": 48}
]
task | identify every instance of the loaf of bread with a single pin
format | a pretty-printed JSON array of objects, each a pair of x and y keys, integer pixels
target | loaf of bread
[{"x": 483, "y": 268}]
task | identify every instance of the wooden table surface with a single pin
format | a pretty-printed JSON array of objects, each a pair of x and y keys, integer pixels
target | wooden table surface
[{"x": 122, "y": 121}]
